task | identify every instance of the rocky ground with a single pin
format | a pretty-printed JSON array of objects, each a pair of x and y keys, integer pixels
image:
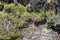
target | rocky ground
[{"x": 39, "y": 33}]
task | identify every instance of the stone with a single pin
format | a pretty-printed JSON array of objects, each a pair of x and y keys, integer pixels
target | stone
[{"x": 54, "y": 23}]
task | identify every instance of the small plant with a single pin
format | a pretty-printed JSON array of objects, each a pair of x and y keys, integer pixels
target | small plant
[{"x": 47, "y": 26}]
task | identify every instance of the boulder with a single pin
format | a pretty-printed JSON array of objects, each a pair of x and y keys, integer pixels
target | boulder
[{"x": 54, "y": 23}]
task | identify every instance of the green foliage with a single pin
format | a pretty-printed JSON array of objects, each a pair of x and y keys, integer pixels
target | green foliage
[
  {"x": 13, "y": 9},
  {"x": 15, "y": 12},
  {"x": 1, "y": 6},
  {"x": 6, "y": 5},
  {"x": 46, "y": 25},
  {"x": 36, "y": 16},
  {"x": 2, "y": 14},
  {"x": 49, "y": 14},
  {"x": 22, "y": 8}
]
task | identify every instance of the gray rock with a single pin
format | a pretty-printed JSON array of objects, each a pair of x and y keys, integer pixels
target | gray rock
[
  {"x": 40, "y": 33},
  {"x": 54, "y": 23}
]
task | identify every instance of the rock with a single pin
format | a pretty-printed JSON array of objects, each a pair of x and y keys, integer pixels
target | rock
[
  {"x": 37, "y": 5},
  {"x": 39, "y": 33},
  {"x": 54, "y": 23},
  {"x": 29, "y": 9},
  {"x": 42, "y": 21},
  {"x": 27, "y": 23}
]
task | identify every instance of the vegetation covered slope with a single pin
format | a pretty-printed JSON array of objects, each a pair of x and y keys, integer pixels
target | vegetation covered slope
[{"x": 14, "y": 18}]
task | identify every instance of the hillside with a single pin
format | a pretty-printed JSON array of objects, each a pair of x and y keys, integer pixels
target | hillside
[{"x": 29, "y": 20}]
